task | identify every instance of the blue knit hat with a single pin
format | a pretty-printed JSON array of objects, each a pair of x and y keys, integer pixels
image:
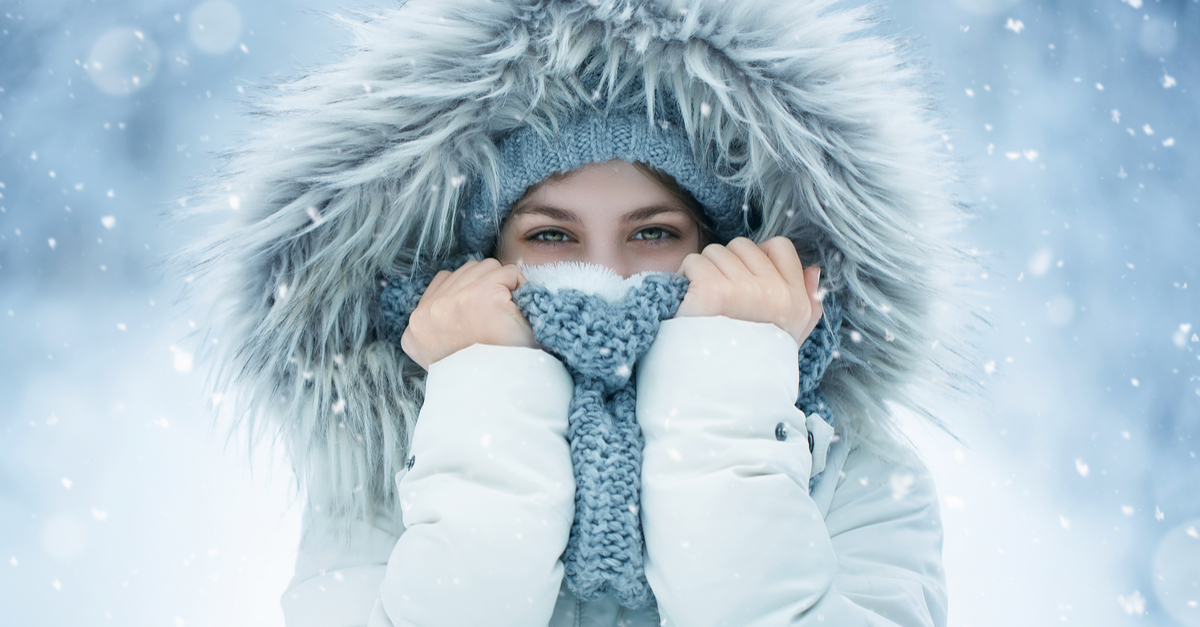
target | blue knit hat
[{"x": 528, "y": 157}]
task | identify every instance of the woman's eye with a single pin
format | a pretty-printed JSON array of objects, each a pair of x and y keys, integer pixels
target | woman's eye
[
  {"x": 550, "y": 236},
  {"x": 651, "y": 234}
]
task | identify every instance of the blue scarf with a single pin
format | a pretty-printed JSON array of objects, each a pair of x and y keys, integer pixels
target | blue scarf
[{"x": 600, "y": 341}]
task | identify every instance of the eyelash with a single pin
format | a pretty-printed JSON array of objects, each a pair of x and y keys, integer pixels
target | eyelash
[
  {"x": 666, "y": 233},
  {"x": 536, "y": 237}
]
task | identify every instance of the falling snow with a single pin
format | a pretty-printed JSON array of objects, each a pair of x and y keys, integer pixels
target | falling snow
[
  {"x": 1133, "y": 604},
  {"x": 1076, "y": 133}
]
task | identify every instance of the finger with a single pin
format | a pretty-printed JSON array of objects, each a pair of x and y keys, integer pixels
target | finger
[
  {"x": 707, "y": 282},
  {"x": 812, "y": 282},
  {"x": 470, "y": 272},
  {"x": 454, "y": 276},
  {"x": 509, "y": 276},
  {"x": 697, "y": 268},
  {"x": 782, "y": 253},
  {"x": 753, "y": 257},
  {"x": 812, "y": 324},
  {"x": 812, "y": 276},
  {"x": 437, "y": 284},
  {"x": 728, "y": 263}
]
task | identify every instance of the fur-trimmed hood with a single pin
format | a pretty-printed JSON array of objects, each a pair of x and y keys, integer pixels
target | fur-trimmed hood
[{"x": 359, "y": 168}]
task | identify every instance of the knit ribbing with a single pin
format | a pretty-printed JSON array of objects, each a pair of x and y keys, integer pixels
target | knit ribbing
[
  {"x": 529, "y": 156},
  {"x": 600, "y": 340}
]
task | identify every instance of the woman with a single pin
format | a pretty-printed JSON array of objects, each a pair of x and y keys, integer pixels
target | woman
[{"x": 440, "y": 482}]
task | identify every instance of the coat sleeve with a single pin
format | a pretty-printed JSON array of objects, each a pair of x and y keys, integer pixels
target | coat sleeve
[
  {"x": 732, "y": 535},
  {"x": 488, "y": 499},
  {"x": 337, "y": 576}
]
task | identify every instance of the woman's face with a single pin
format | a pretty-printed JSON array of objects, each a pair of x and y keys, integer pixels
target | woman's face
[{"x": 610, "y": 214}]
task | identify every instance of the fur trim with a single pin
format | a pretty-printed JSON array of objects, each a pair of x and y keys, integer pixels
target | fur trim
[
  {"x": 586, "y": 277},
  {"x": 359, "y": 168}
]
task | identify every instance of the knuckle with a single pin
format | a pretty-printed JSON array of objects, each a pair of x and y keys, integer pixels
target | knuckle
[
  {"x": 691, "y": 264},
  {"x": 784, "y": 246},
  {"x": 740, "y": 243}
]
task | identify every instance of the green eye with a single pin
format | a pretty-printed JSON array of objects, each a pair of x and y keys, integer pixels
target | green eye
[
  {"x": 651, "y": 234},
  {"x": 551, "y": 236}
]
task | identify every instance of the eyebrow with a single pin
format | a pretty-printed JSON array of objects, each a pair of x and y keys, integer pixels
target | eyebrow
[
  {"x": 562, "y": 215},
  {"x": 554, "y": 213},
  {"x": 645, "y": 213}
]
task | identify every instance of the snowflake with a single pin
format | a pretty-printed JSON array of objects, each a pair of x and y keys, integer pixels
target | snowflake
[
  {"x": 901, "y": 485},
  {"x": 1134, "y": 603}
]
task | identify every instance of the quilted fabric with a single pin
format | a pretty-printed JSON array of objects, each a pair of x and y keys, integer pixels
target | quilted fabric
[{"x": 600, "y": 338}]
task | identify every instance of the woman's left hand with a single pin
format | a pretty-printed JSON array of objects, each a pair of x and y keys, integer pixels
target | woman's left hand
[{"x": 753, "y": 282}]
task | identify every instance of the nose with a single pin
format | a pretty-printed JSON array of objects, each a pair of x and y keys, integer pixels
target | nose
[{"x": 608, "y": 255}]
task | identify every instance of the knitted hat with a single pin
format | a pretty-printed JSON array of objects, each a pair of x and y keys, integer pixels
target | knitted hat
[{"x": 528, "y": 157}]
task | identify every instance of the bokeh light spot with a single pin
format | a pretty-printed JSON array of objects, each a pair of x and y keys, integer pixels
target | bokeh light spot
[
  {"x": 1176, "y": 574},
  {"x": 123, "y": 61},
  {"x": 215, "y": 26}
]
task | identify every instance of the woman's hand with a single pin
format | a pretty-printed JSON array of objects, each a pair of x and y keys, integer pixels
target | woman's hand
[
  {"x": 472, "y": 305},
  {"x": 753, "y": 282}
]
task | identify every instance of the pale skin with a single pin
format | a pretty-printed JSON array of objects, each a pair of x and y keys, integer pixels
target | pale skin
[{"x": 610, "y": 214}]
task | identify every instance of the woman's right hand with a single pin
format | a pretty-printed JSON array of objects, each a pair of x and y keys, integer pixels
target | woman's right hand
[{"x": 472, "y": 305}]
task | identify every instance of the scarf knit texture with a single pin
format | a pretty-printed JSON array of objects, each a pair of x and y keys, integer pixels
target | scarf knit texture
[{"x": 600, "y": 341}]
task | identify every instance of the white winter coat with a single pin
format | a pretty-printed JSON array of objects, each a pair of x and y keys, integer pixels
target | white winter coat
[
  {"x": 357, "y": 173},
  {"x": 732, "y": 535}
]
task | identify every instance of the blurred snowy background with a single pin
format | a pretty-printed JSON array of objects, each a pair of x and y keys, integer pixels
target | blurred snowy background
[{"x": 1076, "y": 122}]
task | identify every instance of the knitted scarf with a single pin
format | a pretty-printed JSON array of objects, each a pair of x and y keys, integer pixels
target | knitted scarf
[{"x": 599, "y": 326}]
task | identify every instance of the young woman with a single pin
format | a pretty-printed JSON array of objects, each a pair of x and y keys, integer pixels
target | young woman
[{"x": 771, "y": 153}]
